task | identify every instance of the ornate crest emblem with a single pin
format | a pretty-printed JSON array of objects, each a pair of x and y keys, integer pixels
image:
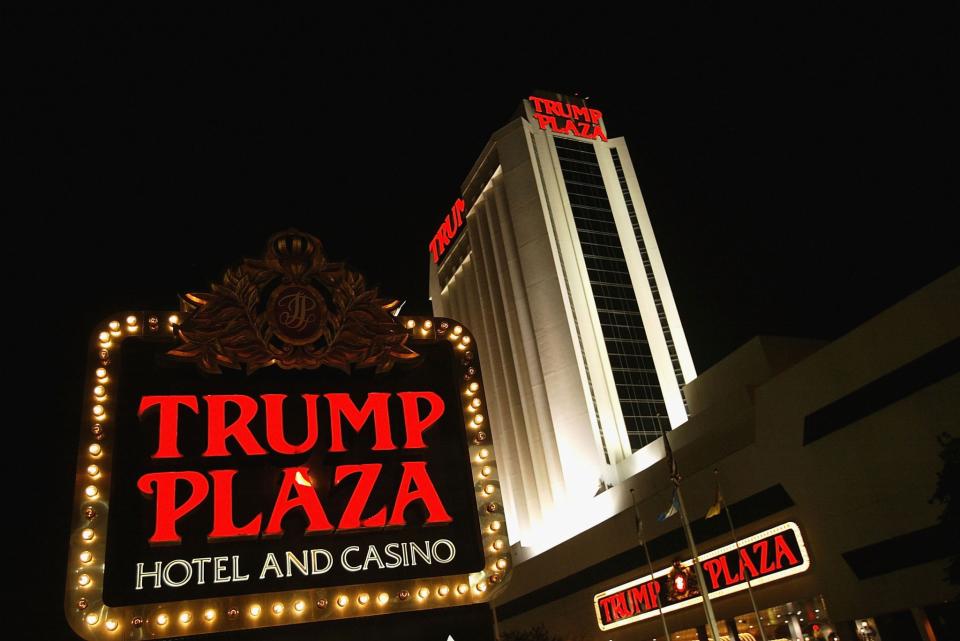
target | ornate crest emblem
[
  {"x": 293, "y": 308},
  {"x": 682, "y": 583}
]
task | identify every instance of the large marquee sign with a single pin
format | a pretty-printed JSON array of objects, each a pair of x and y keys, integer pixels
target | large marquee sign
[
  {"x": 280, "y": 450},
  {"x": 768, "y": 556}
]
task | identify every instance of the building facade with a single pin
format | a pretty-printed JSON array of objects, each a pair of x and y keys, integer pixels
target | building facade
[
  {"x": 843, "y": 440},
  {"x": 551, "y": 260}
]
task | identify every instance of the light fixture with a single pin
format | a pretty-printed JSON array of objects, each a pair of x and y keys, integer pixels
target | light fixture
[
  {"x": 86, "y": 556},
  {"x": 363, "y": 599},
  {"x": 255, "y": 610},
  {"x": 209, "y": 614},
  {"x": 443, "y": 590},
  {"x": 342, "y": 600},
  {"x": 91, "y": 619},
  {"x": 185, "y": 617},
  {"x": 277, "y": 608},
  {"x": 299, "y": 605},
  {"x": 162, "y": 619},
  {"x": 91, "y": 491},
  {"x": 111, "y": 624},
  {"x": 95, "y": 449},
  {"x": 83, "y": 580},
  {"x": 423, "y": 593},
  {"x": 382, "y": 598},
  {"x": 87, "y": 534}
]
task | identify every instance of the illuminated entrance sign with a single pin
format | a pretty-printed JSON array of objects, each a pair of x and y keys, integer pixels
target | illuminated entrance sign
[
  {"x": 565, "y": 118},
  {"x": 449, "y": 228},
  {"x": 768, "y": 556},
  {"x": 283, "y": 450}
]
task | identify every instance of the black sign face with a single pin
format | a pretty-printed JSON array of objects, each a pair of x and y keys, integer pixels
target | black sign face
[
  {"x": 360, "y": 477},
  {"x": 221, "y": 501}
]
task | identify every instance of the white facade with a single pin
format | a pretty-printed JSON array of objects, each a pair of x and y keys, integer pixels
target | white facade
[{"x": 518, "y": 277}]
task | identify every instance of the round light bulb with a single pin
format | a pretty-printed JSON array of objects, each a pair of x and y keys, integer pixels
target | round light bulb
[
  {"x": 174, "y": 319},
  {"x": 484, "y": 453},
  {"x": 501, "y": 564},
  {"x": 93, "y": 470},
  {"x": 363, "y": 599},
  {"x": 487, "y": 470},
  {"x": 482, "y": 586},
  {"x": 498, "y": 544},
  {"x": 95, "y": 449},
  {"x": 411, "y": 324},
  {"x": 299, "y": 606},
  {"x": 83, "y": 580},
  {"x": 462, "y": 588},
  {"x": 427, "y": 324},
  {"x": 495, "y": 526},
  {"x": 443, "y": 591},
  {"x": 277, "y": 608},
  {"x": 101, "y": 372},
  {"x": 457, "y": 330},
  {"x": 104, "y": 337},
  {"x": 111, "y": 624},
  {"x": 87, "y": 534},
  {"x": 209, "y": 614},
  {"x": 475, "y": 402},
  {"x": 255, "y": 610},
  {"x": 185, "y": 617},
  {"x": 86, "y": 556},
  {"x": 162, "y": 619},
  {"x": 91, "y": 491},
  {"x": 342, "y": 600},
  {"x": 114, "y": 326},
  {"x": 423, "y": 593},
  {"x": 131, "y": 321},
  {"x": 478, "y": 419},
  {"x": 91, "y": 619},
  {"x": 465, "y": 340},
  {"x": 489, "y": 489},
  {"x": 99, "y": 391},
  {"x": 382, "y": 598}
]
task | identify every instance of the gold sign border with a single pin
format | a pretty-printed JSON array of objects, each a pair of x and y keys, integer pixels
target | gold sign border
[{"x": 92, "y": 619}]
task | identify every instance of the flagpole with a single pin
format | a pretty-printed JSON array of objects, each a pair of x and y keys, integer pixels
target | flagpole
[
  {"x": 746, "y": 572},
  {"x": 646, "y": 553},
  {"x": 707, "y": 606}
]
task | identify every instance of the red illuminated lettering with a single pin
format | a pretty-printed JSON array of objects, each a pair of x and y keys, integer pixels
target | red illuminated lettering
[
  {"x": 579, "y": 113},
  {"x": 415, "y": 425},
  {"x": 275, "y": 435},
  {"x": 351, "y": 519},
  {"x": 747, "y": 565},
  {"x": 415, "y": 473},
  {"x": 595, "y": 115},
  {"x": 448, "y": 230},
  {"x": 342, "y": 407},
  {"x": 766, "y": 566},
  {"x": 167, "y": 445},
  {"x": 167, "y": 512},
  {"x": 782, "y": 550},
  {"x": 537, "y": 103},
  {"x": 218, "y": 431},
  {"x": 223, "y": 527},
  {"x": 306, "y": 499}
]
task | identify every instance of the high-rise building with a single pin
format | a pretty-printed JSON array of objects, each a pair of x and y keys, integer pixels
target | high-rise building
[{"x": 550, "y": 258}]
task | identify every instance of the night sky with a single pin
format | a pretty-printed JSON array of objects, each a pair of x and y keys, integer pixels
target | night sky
[{"x": 799, "y": 168}]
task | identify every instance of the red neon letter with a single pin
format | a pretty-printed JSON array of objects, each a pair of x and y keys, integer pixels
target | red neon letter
[
  {"x": 376, "y": 404},
  {"x": 747, "y": 565},
  {"x": 415, "y": 425},
  {"x": 783, "y": 550},
  {"x": 415, "y": 472},
  {"x": 354, "y": 511},
  {"x": 765, "y": 566},
  {"x": 579, "y": 113},
  {"x": 306, "y": 499},
  {"x": 546, "y": 121},
  {"x": 714, "y": 569},
  {"x": 217, "y": 430},
  {"x": 595, "y": 115},
  {"x": 275, "y": 436},
  {"x": 167, "y": 510},
  {"x": 537, "y": 103},
  {"x": 223, "y": 526},
  {"x": 167, "y": 437}
]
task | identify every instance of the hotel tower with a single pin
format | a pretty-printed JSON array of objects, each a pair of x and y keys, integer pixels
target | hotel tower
[{"x": 550, "y": 259}]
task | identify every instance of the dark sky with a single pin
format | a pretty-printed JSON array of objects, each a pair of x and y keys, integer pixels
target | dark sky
[{"x": 798, "y": 166}]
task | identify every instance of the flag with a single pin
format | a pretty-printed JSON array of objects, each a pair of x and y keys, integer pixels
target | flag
[
  {"x": 672, "y": 462},
  {"x": 714, "y": 509},
  {"x": 673, "y": 509}
]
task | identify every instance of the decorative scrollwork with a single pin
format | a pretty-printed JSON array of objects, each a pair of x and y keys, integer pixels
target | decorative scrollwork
[{"x": 293, "y": 309}]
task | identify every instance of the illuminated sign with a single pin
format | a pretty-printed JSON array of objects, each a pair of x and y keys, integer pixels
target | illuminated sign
[
  {"x": 282, "y": 451},
  {"x": 448, "y": 230},
  {"x": 565, "y": 118},
  {"x": 768, "y": 556}
]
